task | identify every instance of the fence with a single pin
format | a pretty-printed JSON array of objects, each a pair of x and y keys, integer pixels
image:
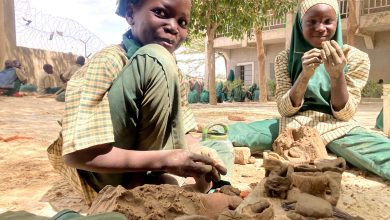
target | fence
[
  {"x": 38, "y": 30},
  {"x": 374, "y": 6}
]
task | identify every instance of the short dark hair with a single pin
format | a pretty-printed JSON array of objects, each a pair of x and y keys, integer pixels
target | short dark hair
[
  {"x": 16, "y": 63},
  {"x": 46, "y": 67},
  {"x": 8, "y": 64},
  {"x": 80, "y": 60}
]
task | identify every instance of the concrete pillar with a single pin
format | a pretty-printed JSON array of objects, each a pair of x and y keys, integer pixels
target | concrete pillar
[
  {"x": 7, "y": 31},
  {"x": 226, "y": 56}
]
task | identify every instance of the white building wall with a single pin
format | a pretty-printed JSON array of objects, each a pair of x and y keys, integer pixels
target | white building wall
[
  {"x": 248, "y": 55},
  {"x": 240, "y": 56},
  {"x": 379, "y": 56}
]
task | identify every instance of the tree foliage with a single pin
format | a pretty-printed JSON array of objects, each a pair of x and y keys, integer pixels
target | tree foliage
[{"x": 233, "y": 19}]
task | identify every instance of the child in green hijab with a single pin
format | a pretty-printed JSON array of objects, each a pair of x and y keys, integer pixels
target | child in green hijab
[{"x": 318, "y": 84}]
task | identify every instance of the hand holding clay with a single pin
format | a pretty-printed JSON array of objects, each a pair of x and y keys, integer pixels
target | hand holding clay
[
  {"x": 334, "y": 58},
  {"x": 310, "y": 61},
  {"x": 206, "y": 151},
  {"x": 187, "y": 164}
]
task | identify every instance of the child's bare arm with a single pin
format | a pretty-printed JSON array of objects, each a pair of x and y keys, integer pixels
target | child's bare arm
[{"x": 110, "y": 159}]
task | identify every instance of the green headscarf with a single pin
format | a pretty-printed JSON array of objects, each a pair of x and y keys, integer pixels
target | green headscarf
[{"x": 317, "y": 96}]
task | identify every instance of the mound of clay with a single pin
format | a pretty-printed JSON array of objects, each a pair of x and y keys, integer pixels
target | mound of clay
[
  {"x": 302, "y": 145},
  {"x": 236, "y": 118},
  {"x": 147, "y": 202},
  {"x": 161, "y": 202},
  {"x": 229, "y": 190}
]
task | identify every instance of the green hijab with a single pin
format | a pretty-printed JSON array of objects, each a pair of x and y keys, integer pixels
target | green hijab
[{"x": 317, "y": 96}]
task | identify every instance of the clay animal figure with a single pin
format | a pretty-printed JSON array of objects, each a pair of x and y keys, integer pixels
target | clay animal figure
[
  {"x": 318, "y": 184},
  {"x": 278, "y": 182}
]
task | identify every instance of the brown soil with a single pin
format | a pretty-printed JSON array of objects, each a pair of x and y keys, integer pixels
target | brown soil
[
  {"x": 147, "y": 202},
  {"x": 29, "y": 183}
]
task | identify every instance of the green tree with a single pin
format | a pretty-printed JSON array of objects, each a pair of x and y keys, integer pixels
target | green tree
[
  {"x": 262, "y": 12},
  {"x": 234, "y": 18},
  {"x": 208, "y": 19}
]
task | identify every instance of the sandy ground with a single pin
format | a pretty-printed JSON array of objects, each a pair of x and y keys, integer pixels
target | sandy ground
[{"x": 29, "y": 183}]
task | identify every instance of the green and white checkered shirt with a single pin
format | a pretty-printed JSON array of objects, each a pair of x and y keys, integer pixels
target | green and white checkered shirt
[
  {"x": 333, "y": 126},
  {"x": 87, "y": 119}
]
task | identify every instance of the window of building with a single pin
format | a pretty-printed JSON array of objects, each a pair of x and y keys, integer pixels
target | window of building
[{"x": 245, "y": 73}]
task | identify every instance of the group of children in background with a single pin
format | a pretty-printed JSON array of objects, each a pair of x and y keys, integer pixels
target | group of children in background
[{"x": 16, "y": 82}]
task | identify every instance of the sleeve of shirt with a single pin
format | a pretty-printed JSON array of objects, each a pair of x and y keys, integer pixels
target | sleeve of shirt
[
  {"x": 21, "y": 75},
  {"x": 66, "y": 75},
  {"x": 87, "y": 120},
  {"x": 356, "y": 78},
  {"x": 283, "y": 86}
]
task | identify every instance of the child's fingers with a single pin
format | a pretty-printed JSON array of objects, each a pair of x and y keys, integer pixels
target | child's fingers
[
  {"x": 221, "y": 169},
  {"x": 314, "y": 60},
  {"x": 323, "y": 56},
  {"x": 338, "y": 51},
  {"x": 329, "y": 51},
  {"x": 201, "y": 169},
  {"x": 201, "y": 158},
  {"x": 312, "y": 55},
  {"x": 325, "y": 47},
  {"x": 215, "y": 175}
]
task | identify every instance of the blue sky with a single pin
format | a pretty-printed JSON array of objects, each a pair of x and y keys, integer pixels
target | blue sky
[{"x": 98, "y": 16}]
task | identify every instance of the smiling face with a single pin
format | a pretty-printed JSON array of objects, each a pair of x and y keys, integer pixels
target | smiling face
[
  {"x": 319, "y": 24},
  {"x": 163, "y": 22}
]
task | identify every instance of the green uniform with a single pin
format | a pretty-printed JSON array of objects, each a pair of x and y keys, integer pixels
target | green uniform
[{"x": 144, "y": 104}]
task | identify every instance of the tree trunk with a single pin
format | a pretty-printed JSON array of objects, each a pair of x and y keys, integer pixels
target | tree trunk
[
  {"x": 210, "y": 67},
  {"x": 352, "y": 24},
  {"x": 261, "y": 61}
]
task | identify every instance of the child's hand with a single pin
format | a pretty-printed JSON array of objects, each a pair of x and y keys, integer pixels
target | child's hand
[
  {"x": 187, "y": 164},
  {"x": 198, "y": 148},
  {"x": 310, "y": 61},
  {"x": 334, "y": 58}
]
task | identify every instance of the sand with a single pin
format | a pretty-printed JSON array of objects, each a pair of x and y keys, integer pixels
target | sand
[{"x": 29, "y": 183}]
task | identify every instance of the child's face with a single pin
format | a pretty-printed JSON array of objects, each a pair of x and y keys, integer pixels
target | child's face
[
  {"x": 319, "y": 24},
  {"x": 163, "y": 22}
]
